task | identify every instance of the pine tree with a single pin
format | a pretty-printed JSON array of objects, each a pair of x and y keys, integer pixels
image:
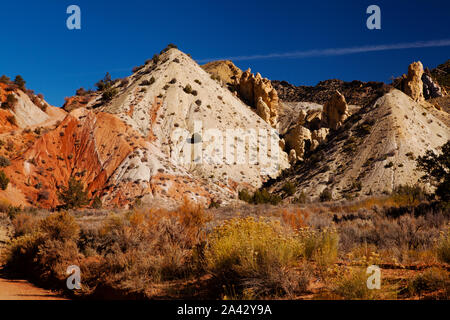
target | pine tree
[
  {"x": 74, "y": 196},
  {"x": 20, "y": 82},
  {"x": 4, "y": 180},
  {"x": 437, "y": 170}
]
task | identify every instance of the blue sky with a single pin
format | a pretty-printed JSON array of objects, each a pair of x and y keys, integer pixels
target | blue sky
[{"x": 117, "y": 35}]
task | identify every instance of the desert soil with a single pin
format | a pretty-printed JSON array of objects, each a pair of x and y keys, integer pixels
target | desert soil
[{"x": 13, "y": 289}]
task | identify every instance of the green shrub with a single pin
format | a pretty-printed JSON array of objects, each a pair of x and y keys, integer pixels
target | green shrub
[
  {"x": 4, "y": 79},
  {"x": 104, "y": 84},
  {"x": 74, "y": 195},
  {"x": 215, "y": 77},
  {"x": 301, "y": 199},
  {"x": 389, "y": 165},
  {"x": 259, "y": 197},
  {"x": 214, "y": 204},
  {"x": 81, "y": 92},
  {"x": 4, "y": 162},
  {"x": 263, "y": 196},
  {"x": 10, "y": 102},
  {"x": 325, "y": 195},
  {"x": 244, "y": 195},
  {"x": 20, "y": 82},
  {"x": 43, "y": 195},
  {"x": 437, "y": 170},
  {"x": 97, "y": 203},
  {"x": 365, "y": 128},
  {"x": 124, "y": 83},
  {"x": 148, "y": 82},
  {"x": 356, "y": 185},
  {"x": 411, "y": 195},
  {"x": 410, "y": 155},
  {"x": 289, "y": 188},
  {"x": 137, "y": 68},
  {"x": 108, "y": 94},
  {"x": 12, "y": 119},
  {"x": 188, "y": 89},
  {"x": 4, "y": 180},
  {"x": 169, "y": 46}
]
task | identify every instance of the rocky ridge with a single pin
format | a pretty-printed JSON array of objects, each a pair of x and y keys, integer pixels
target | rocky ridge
[
  {"x": 157, "y": 136},
  {"x": 372, "y": 152},
  {"x": 356, "y": 92}
]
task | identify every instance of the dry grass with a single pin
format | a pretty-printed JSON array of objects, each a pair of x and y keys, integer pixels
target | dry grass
[
  {"x": 294, "y": 218},
  {"x": 443, "y": 249},
  {"x": 433, "y": 281},
  {"x": 246, "y": 252},
  {"x": 127, "y": 252},
  {"x": 393, "y": 201},
  {"x": 352, "y": 285},
  {"x": 321, "y": 246}
]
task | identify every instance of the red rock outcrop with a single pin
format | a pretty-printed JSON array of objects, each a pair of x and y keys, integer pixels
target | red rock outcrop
[{"x": 99, "y": 150}]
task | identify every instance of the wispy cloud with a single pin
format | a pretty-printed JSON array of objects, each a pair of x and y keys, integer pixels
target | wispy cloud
[
  {"x": 337, "y": 51},
  {"x": 97, "y": 72}
]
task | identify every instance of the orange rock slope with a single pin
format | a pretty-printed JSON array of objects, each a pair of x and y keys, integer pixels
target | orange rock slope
[{"x": 98, "y": 149}]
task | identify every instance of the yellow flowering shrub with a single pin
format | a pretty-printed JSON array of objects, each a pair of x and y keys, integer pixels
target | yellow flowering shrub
[
  {"x": 321, "y": 246},
  {"x": 257, "y": 254}
]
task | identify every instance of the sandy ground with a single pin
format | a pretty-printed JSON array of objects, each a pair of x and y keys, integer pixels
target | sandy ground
[{"x": 23, "y": 290}]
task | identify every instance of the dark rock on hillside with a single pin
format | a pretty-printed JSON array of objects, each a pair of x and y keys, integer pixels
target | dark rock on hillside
[
  {"x": 356, "y": 92},
  {"x": 442, "y": 75},
  {"x": 430, "y": 88}
]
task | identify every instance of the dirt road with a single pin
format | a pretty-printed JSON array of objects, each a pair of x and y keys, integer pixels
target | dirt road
[{"x": 23, "y": 290}]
